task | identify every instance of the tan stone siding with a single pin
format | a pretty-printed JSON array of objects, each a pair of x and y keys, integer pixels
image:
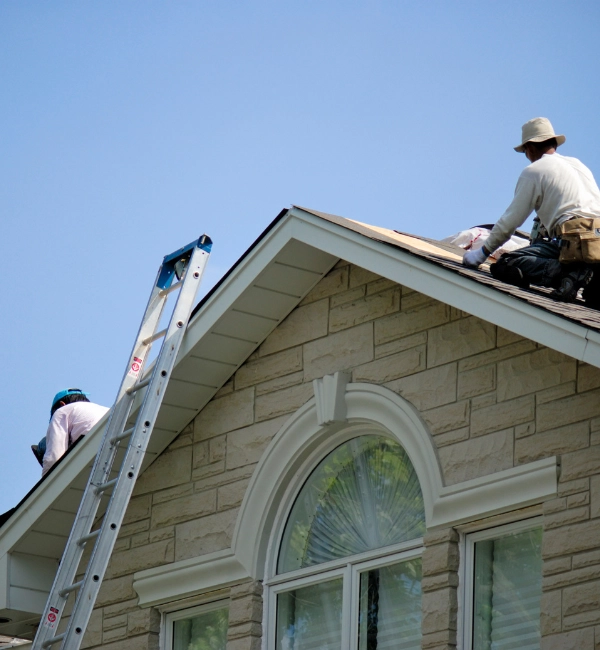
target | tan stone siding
[
  {"x": 491, "y": 399},
  {"x": 439, "y": 587}
]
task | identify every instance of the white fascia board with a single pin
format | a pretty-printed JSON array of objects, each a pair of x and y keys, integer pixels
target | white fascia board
[
  {"x": 188, "y": 577},
  {"x": 486, "y": 496},
  {"x": 591, "y": 353},
  {"x": 458, "y": 291},
  {"x": 4, "y": 585}
]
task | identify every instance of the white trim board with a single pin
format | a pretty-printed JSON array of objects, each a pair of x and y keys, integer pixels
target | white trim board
[
  {"x": 71, "y": 472},
  {"x": 510, "y": 489},
  {"x": 188, "y": 578}
]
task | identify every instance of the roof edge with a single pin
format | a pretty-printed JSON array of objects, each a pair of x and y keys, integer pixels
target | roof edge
[{"x": 384, "y": 257}]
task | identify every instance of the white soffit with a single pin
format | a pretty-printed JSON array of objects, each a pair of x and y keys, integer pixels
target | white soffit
[{"x": 266, "y": 286}]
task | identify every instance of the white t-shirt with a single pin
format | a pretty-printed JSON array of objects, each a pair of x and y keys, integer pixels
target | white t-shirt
[
  {"x": 68, "y": 424},
  {"x": 557, "y": 188}
]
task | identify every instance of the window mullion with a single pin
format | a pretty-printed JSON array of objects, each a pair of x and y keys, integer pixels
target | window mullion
[
  {"x": 271, "y": 600},
  {"x": 350, "y": 609},
  {"x": 468, "y": 584}
]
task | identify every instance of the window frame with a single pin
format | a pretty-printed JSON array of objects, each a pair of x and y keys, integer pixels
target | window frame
[
  {"x": 350, "y": 567},
  {"x": 467, "y": 574},
  {"x": 169, "y": 618}
]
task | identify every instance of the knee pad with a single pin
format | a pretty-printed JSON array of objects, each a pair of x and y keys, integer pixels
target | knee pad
[{"x": 504, "y": 271}]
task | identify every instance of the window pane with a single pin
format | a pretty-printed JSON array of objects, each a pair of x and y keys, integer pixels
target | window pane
[
  {"x": 207, "y": 631},
  {"x": 507, "y": 594},
  {"x": 364, "y": 495},
  {"x": 390, "y": 607},
  {"x": 311, "y": 617}
]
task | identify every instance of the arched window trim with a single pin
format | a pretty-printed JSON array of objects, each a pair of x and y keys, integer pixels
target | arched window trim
[{"x": 298, "y": 447}]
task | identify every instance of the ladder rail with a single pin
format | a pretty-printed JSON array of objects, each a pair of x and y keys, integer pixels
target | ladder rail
[
  {"x": 139, "y": 435},
  {"x": 133, "y": 460}
]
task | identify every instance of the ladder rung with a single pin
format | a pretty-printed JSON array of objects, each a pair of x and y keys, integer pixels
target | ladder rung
[
  {"x": 125, "y": 434},
  {"x": 154, "y": 337},
  {"x": 53, "y": 640},
  {"x": 68, "y": 590},
  {"x": 168, "y": 290},
  {"x": 104, "y": 486},
  {"x": 140, "y": 384},
  {"x": 86, "y": 538}
]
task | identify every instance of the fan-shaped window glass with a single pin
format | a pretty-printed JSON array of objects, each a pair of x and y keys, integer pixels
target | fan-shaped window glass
[{"x": 364, "y": 495}]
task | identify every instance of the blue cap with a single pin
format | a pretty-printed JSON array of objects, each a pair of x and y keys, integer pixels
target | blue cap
[{"x": 63, "y": 393}]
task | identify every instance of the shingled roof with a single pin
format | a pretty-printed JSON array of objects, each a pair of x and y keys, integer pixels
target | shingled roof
[{"x": 449, "y": 257}]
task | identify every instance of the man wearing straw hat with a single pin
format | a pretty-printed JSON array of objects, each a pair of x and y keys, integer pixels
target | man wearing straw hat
[{"x": 558, "y": 188}]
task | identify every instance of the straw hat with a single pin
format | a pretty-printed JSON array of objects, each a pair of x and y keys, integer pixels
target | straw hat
[{"x": 537, "y": 130}]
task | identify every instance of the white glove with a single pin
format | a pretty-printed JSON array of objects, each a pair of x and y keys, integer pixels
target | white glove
[{"x": 473, "y": 259}]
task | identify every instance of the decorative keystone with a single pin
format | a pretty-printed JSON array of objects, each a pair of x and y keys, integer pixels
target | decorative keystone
[{"x": 329, "y": 393}]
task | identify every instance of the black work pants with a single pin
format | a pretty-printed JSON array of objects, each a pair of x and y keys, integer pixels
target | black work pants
[{"x": 537, "y": 263}]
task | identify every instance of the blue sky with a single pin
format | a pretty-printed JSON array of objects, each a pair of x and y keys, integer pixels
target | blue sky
[{"x": 127, "y": 129}]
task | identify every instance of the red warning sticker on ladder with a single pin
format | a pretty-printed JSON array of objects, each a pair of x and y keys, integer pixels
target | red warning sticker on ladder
[
  {"x": 135, "y": 367},
  {"x": 52, "y": 618}
]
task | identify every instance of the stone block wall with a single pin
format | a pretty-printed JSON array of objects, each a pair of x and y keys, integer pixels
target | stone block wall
[
  {"x": 439, "y": 586},
  {"x": 491, "y": 400}
]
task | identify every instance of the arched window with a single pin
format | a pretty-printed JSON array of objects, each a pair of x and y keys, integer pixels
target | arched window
[{"x": 349, "y": 567}]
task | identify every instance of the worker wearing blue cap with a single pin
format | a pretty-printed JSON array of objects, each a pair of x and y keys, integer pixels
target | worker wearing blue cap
[{"x": 72, "y": 415}]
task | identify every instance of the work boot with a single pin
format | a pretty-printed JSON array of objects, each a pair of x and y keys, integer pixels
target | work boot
[
  {"x": 591, "y": 292},
  {"x": 570, "y": 283},
  {"x": 38, "y": 454}
]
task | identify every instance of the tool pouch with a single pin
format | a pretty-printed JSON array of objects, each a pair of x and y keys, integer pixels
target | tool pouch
[{"x": 580, "y": 241}]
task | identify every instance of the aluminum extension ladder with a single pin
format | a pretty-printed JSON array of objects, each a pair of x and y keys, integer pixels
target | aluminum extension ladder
[{"x": 186, "y": 266}]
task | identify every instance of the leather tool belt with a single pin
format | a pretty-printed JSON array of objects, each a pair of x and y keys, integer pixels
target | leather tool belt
[{"x": 580, "y": 240}]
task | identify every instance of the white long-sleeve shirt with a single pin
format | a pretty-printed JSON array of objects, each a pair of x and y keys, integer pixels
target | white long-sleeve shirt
[
  {"x": 68, "y": 424},
  {"x": 557, "y": 188}
]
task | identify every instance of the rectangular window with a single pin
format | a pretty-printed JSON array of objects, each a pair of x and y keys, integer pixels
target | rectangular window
[
  {"x": 505, "y": 588},
  {"x": 390, "y": 607},
  {"x": 310, "y": 618},
  {"x": 370, "y": 605},
  {"x": 198, "y": 628}
]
